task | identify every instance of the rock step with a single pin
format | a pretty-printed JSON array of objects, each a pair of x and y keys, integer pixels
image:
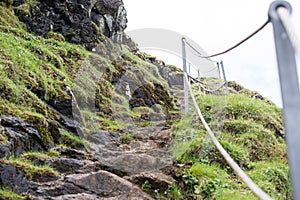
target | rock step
[
  {"x": 94, "y": 185},
  {"x": 156, "y": 179},
  {"x": 133, "y": 163}
]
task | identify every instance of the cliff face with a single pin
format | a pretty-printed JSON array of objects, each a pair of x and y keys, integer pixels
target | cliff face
[
  {"x": 84, "y": 117},
  {"x": 79, "y": 21}
]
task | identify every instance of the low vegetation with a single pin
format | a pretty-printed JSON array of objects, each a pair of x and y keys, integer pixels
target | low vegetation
[
  {"x": 32, "y": 171},
  {"x": 251, "y": 132},
  {"x": 9, "y": 195}
]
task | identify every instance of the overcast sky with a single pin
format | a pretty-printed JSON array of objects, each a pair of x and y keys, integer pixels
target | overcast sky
[{"x": 216, "y": 25}]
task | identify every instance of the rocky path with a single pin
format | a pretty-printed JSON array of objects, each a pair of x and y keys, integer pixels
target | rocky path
[{"x": 109, "y": 169}]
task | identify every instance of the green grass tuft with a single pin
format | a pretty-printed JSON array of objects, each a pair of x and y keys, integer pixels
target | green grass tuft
[
  {"x": 71, "y": 140},
  {"x": 31, "y": 171},
  {"x": 9, "y": 195}
]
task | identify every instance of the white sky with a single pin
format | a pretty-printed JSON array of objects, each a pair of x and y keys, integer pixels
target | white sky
[{"x": 216, "y": 25}]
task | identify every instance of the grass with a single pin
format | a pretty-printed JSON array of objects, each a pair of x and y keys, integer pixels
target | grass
[
  {"x": 71, "y": 140},
  {"x": 272, "y": 177},
  {"x": 3, "y": 139},
  {"x": 93, "y": 121},
  {"x": 148, "y": 71},
  {"x": 33, "y": 69},
  {"x": 126, "y": 138},
  {"x": 31, "y": 171},
  {"x": 40, "y": 155},
  {"x": 249, "y": 129},
  {"x": 9, "y": 195}
]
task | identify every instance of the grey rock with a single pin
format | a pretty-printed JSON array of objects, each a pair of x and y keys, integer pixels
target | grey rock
[
  {"x": 95, "y": 185},
  {"x": 23, "y": 136},
  {"x": 157, "y": 180},
  {"x": 4, "y": 151},
  {"x": 135, "y": 162},
  {"x": 101, "y": 183},
  {"x": 54, "y": 189},
  {"x": 134, "y": 194},
  {"x": 13, "y": 179},
  {"x": 76, "y": 20},
  {"x": 72, "y": 153},
  {"x": 67, "y": 165},
  {"x": 81, "y": 196},
  {"x": 109, "y": 139},
  {"x": 18, "y": 2}
]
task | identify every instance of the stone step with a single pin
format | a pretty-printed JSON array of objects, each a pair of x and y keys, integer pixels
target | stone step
[{"x": 94, "y": 185}]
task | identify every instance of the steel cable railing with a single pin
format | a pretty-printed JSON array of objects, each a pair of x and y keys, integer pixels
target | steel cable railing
[
  {"x": 245, "y": 178},
  {"x": 241, "y": 42},
  {"x": 287, "y": 45}
]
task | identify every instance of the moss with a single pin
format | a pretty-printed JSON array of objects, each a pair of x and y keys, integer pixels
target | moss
[
  {"x": 9, "y": 195},
  {"x": 174, "y": 68},
  {"x": 31, "y": 171},
  {"x": 95, "y": 122},
  {"x": 55, "y": 36},
  {"x": 8, "y": 17},
  {"x": 71, "y": 140},
  {"x": 126, "y": 138},
  {"x": 147, "y": 71},
  {"x": 111, "y": 124},
  {"x": 33, "y": 71},
  {"x": 23, "y": 11},
  {"x": 71, "y": 32},
  {"x": 40, "y": 155},
  {"x": 98, "y": 32},
  {"x": 3, "y": 138}
]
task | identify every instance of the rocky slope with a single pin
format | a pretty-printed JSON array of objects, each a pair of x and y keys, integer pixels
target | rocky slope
[{"x": 84, "y": 115}]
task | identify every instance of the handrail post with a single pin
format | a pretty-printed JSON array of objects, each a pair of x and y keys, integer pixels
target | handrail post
[
  {"x": 224, "y": 76},
  {"x": 218, "y": 65},
  {"x": 287, "y": 69},
  {"x": 199, "y": 81},
  {"x": 186, "y": 103}
]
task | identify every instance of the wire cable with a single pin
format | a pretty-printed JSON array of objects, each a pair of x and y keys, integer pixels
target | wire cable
[
  {"x": 203, "y": 83},
  {"x": 210, "y": 70},
  {"x": 213, "y": 90},
  {"x": 246, "y": 179},
  {"x": 241, "y": 42},
  {"x": 199, "y": 54},
  {"x": 206, "y": 72},
  {"x": 284, "y": 16}
]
